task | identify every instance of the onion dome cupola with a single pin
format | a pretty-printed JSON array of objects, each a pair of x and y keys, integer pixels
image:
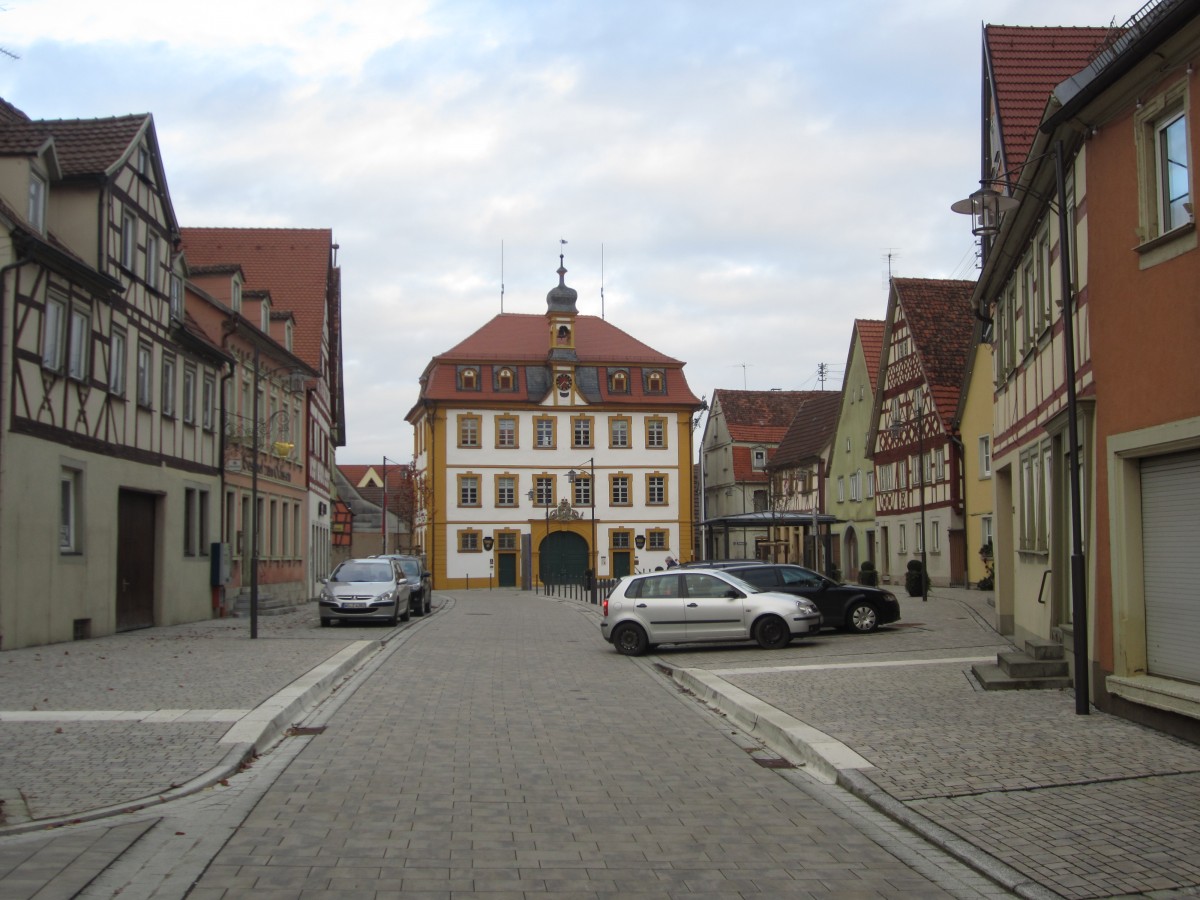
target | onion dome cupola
[{"x": 560, "y": 316}]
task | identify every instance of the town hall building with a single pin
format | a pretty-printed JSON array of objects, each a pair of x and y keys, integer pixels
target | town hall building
[{"x": 550, "y": 446}]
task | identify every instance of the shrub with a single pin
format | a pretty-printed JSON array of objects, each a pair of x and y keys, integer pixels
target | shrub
[
  {"x": 867, "y": 574},
  {"x": 913, "y": 579}
]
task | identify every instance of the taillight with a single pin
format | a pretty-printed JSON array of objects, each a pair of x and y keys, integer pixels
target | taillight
[{"x": 604, "y": 608}]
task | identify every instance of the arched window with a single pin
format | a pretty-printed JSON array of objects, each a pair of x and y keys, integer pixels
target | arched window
[
  {"x": 619, "y": 383},
  {"x": 504, "y": 379},
  {"x": 654, "y": 383},
  {"x": 469, "y": 379}
]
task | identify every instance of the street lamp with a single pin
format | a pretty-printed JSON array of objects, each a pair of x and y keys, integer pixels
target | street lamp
[
  {"x": 985, "y": 207},
  {"x": 572, "y": 476},
  {"x": 919, "y": 418},
  {"x": 254, "y": 465}
]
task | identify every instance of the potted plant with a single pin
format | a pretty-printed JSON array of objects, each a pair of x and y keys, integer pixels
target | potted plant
[
  {"x": 867, "y": 574},
  {"x": 914, "y": 577},
  {"x": 988, "y": 581}
]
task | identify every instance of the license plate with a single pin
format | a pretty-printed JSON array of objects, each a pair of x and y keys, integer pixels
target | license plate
[{"x": 354, "y": 605}]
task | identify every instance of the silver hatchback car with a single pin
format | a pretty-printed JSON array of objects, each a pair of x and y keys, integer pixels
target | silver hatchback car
[{"x": 689, "y": 605}]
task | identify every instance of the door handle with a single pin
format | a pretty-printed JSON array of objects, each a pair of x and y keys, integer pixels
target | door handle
[
  {"x": 641, "y": 606},
  {"x": 693, "y": 605}
]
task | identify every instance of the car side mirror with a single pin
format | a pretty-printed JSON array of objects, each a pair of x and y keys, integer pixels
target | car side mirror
[{"x": 733, "y": 594}]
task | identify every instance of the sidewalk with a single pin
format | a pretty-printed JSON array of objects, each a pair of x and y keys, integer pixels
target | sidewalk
[{"x": 1045, "y": 802}]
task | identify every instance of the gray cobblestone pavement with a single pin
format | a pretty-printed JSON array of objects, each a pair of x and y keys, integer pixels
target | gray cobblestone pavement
[{"x": 1045, "y": 802}]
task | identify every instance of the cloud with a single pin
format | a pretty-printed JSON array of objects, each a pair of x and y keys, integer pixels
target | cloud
[{"x": 746, "y": 168}]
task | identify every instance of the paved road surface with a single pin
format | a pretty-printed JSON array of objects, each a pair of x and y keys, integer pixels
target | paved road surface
[{"x": 506, "y": 751}]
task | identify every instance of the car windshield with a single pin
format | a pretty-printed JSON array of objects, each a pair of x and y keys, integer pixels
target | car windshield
[
  {"x": 411, "y": 567},
  {"x": 362, "y": 571}
]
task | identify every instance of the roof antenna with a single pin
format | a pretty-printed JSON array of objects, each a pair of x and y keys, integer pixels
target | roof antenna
[
  {"x": 892, "y": 255},
  {"x": 501, "y": 276},
  {"x": 602, "y": 280}
]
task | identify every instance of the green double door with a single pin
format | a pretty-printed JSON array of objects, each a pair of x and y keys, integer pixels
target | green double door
[{"x": 563, "y": 559}]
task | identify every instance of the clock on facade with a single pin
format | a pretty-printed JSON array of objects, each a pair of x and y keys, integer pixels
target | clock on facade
[{"x": 563, "y": 382}]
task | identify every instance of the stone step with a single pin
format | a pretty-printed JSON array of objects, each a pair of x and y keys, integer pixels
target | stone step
[
  {"x": 1044, "y": 648},
  {"x": 1021, "y": 665},
  {"x": 993, "y": 678}
]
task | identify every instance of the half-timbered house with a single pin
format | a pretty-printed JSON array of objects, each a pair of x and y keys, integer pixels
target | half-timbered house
[
  {"x": 917, "y": 455},
  {"x": 109, "y": 443}
]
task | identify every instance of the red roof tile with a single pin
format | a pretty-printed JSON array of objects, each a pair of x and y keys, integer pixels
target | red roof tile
[
  {"x": 870, "y": 338},
  {"x": 92, "y": 147},
  {"x": 743, "y": 466},
  {"x": 1024, "y": 65},
  {"x": 294, "y": 264},
  {"x": 758, "y": 416},
  {"x": 522, "y": 340},
  {"x": 810, "y": 430},
  {"x": 942, "y": 324}
]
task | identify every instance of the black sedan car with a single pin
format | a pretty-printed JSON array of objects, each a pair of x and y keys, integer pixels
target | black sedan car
[{"x": 853, "y": 607}]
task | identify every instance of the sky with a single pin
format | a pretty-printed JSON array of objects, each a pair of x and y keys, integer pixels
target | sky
[{"x": 734, "y": 180}]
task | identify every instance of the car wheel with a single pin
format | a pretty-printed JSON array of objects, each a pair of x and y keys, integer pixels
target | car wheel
[
  {"x": 325, "y": 623},
  {"x": 862, "y": 617},
  {"x": 772, "y": 633},
  {"x": 404, "y": 616},
  {"x": 393, "y": 621},
  {"x": 630, "y": 640},
  {"x": 419, "y": 609}
]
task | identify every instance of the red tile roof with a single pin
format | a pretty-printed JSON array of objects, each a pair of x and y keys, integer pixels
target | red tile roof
[
  {"x": 90, "y": 147},
  {"x": 870, "y": 338},
  {"x": 942, "y": 324},
  {"x": 294, "y": 264},
  {"x": 743, "y": 465},
  {"x": 398, "y": 484},
  {"x": 810, "y": 430},
  {"x": 522, "y": 340},
  {"x": 10, "y": 114},
  {"x": 1024, "y": 65},
  {"x": 758, "y": 416}
]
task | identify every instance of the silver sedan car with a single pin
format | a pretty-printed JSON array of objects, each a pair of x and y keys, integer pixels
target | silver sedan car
[
  {"x": 365, "y": 590},
  {"x": 690, "y": 605}
]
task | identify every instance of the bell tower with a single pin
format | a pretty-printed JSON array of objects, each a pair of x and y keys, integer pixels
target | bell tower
[{"x": 561, "y": 313}]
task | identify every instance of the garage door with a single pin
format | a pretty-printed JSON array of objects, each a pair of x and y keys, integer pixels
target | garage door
[{"x": 1171, "y": 572}]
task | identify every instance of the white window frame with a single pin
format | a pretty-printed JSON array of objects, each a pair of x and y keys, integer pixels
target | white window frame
[
  {"x": 79, "y": 344},
  {"x": 128, "y": 239},
  {"x": 118, "y": 353},
  {"x": 145, "y": 375},
  {"x": 38, "y": 189},
  {"x": 208, "y": 402},
  {"x": 177, "y": 298},
  {"x": 985, "y": 456},
  {"x": 54, "y": 334},
  {"x": 1170, "y": 217},
  {"x": 189, "y": 393},
  {"x": 168, "y": 384},
  {"x": 70, "y": 486},
  {"x": 152, "y": 272}
]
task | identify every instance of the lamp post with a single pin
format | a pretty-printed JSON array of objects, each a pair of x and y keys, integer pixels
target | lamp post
[
  {"x": 985, "y": 207},
  {"x": 254, "y": 465},
  {"x": 919, "y": 418},
  {"x": 572, "y": 475}
]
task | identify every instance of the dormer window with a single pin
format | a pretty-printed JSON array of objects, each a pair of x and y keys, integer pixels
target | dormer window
[
  {"x": 654, "y": 382},
  {"x": 505, "y": 380},
  {"x": 235, "y": 299},
  {"x": 265, "y": 315},
  {"x": 618, "y": 382},
  {"x": 760, "y": 457},
  {"x": 287, "y": 335},
  {"x": 468, "y": 379},
  {"x": 37, "y": 202}
]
